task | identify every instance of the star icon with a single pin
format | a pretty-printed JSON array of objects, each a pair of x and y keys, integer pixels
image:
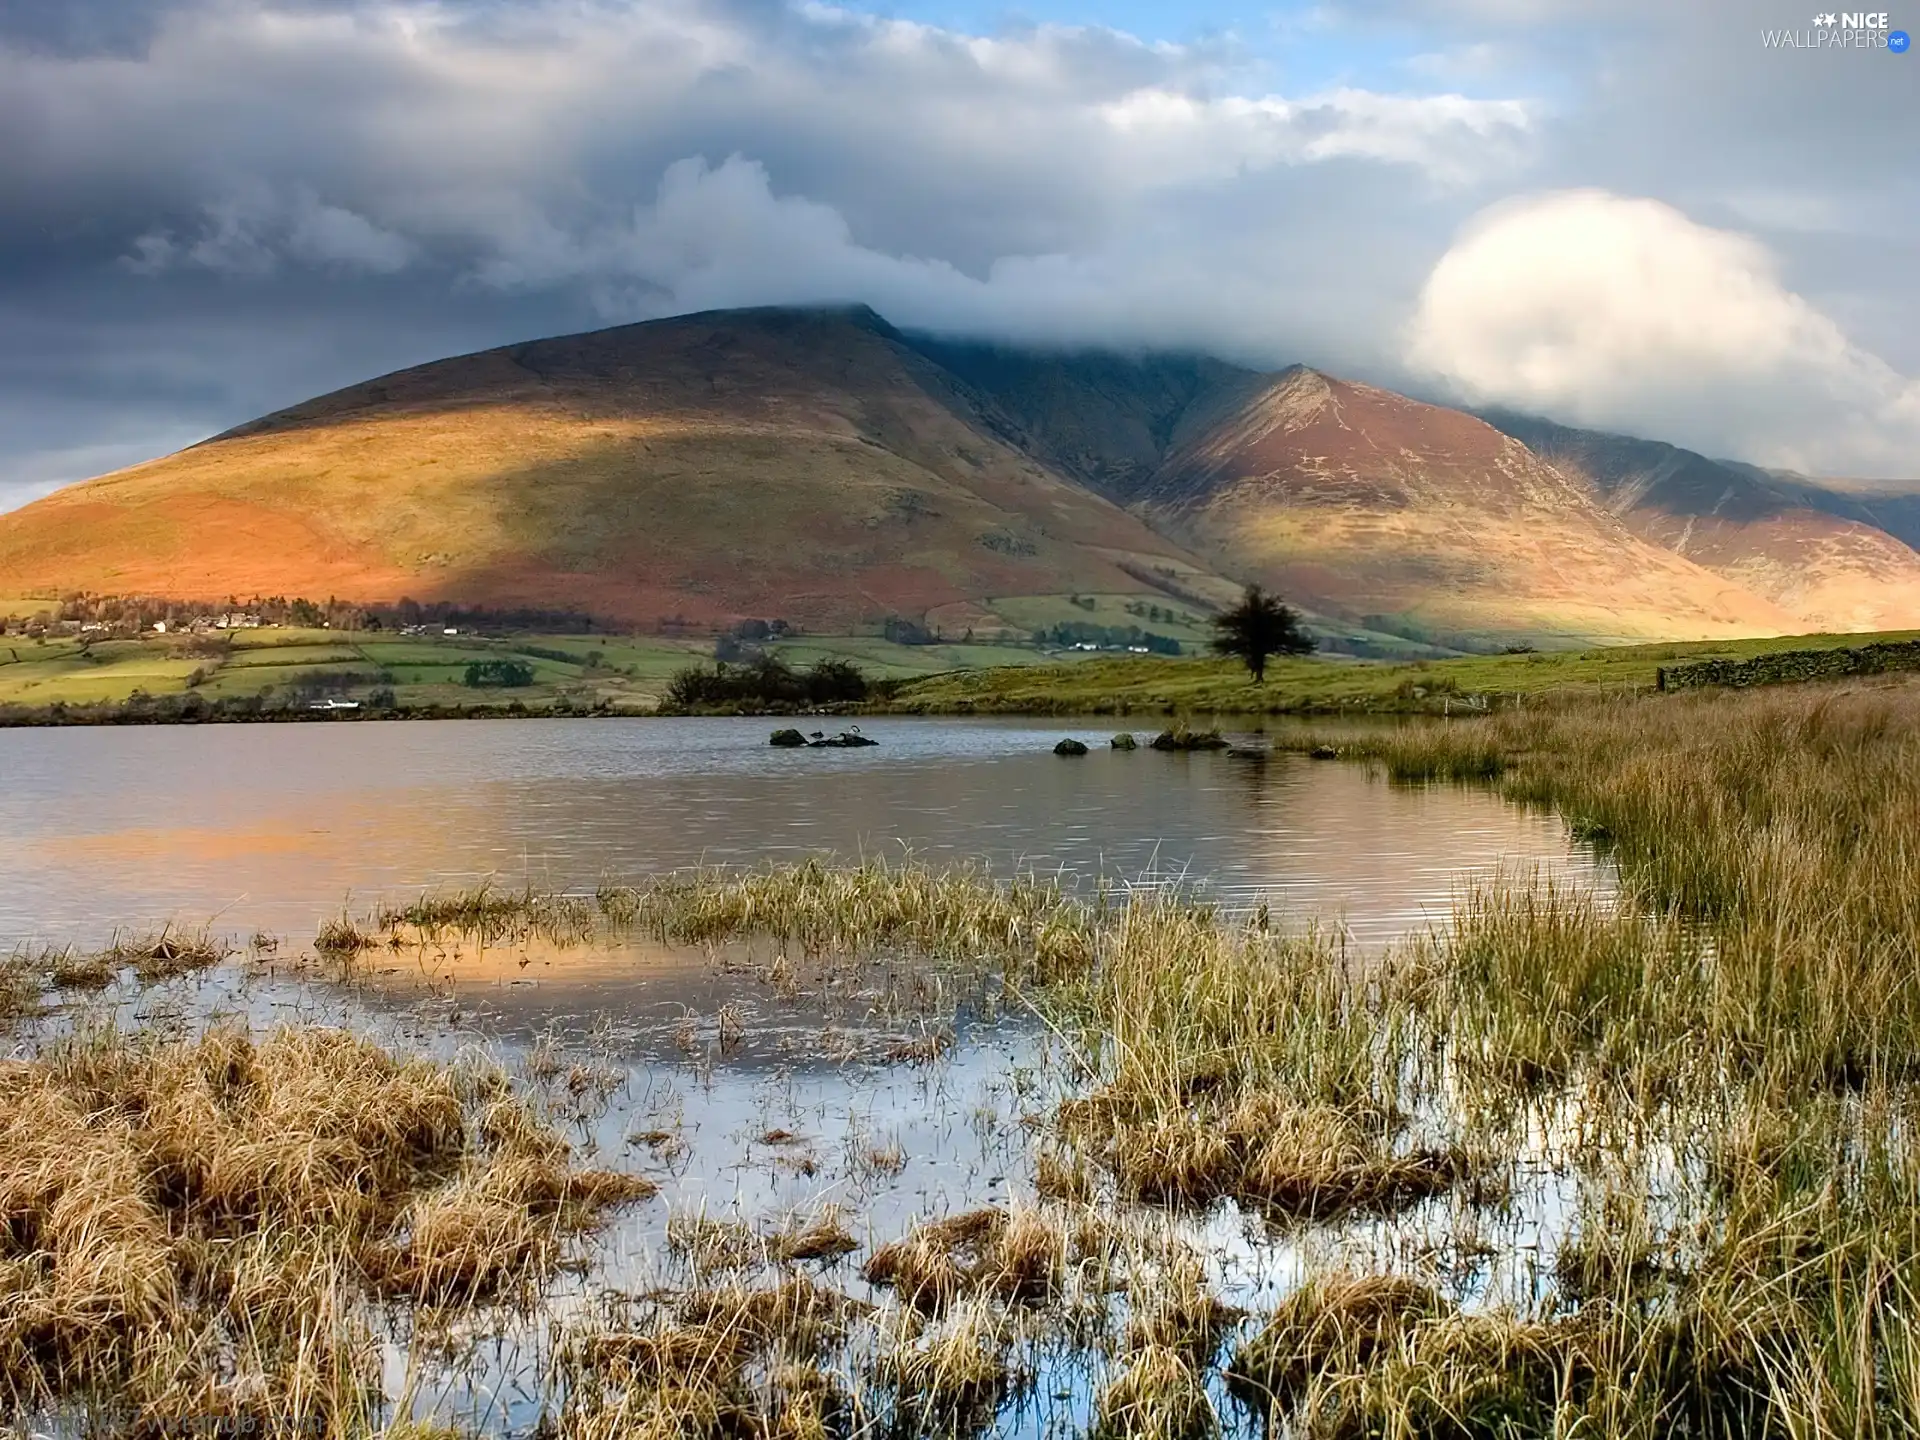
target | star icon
[{"x": 1829, "y": 19}]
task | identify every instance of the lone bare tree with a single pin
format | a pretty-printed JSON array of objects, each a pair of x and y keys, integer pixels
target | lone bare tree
[{"x": 1259, "y": 627}]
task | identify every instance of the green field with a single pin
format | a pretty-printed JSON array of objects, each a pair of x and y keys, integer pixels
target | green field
[
  {"x": 1151, "y": 685},
  {"x": 287, "y": 664}
]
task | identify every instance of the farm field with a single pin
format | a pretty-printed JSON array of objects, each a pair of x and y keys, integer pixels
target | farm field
[
  {"x": 283, "y": 665},
  {"x": 1324, "y": 683}
]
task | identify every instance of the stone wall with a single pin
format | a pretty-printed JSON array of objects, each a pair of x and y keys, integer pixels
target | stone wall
[{"x": 1785, "y": 667}]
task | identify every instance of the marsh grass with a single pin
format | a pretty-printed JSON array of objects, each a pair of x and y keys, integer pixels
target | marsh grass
[
  {"x": 1159, "y": 1395},
  {"x": 856, "y": 910},
  {"x": 203, "y": 1227},
  {"x": 824, "y": 1237},
  {"x": 70, "y": 969},
  {"x": 1722, "y": 1065},
  {"x": 22, "y": 983},
  {"x": 163, "y": 955}
]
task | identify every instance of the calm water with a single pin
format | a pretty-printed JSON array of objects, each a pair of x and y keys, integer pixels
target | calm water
[{"x": 276, "y": 826}]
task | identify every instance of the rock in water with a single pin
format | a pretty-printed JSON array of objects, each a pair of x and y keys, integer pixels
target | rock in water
[
  {"x": 1070, "y": 747},
  {"x": 845, "y": 740},
  {"x": 1181, "y": 738},
  {"x": 1124, "y": 741},
  {"x": 788, "y": 739}
]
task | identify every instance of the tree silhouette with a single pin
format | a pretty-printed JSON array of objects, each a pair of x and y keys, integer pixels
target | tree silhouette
[{"x": 1259, "y": 626}]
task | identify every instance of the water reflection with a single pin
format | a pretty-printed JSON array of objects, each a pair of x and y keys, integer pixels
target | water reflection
[{"x": 273, "y": 827}]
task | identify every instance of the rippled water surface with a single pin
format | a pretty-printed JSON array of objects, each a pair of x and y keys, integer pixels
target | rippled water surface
[{"x": 276, "y": 826}]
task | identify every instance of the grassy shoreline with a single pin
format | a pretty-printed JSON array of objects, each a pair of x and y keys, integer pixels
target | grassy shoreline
[{"x": 1721, "y": 1070}]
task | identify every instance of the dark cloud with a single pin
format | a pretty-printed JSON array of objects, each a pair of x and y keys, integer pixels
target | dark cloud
[
  {"x": 215, "y": 207},
  {"x": 79, "y": 27}
]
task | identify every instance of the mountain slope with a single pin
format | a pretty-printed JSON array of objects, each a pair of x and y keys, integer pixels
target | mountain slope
[
  {"x": 821, "y": 467},
  {"x": 1415, "y": 515},
  {"x": 1358, "y": 499},
  {"x": 802, "y": 464},
  {"x": 1820, "y": 555}
]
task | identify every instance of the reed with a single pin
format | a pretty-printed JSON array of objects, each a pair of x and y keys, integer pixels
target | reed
[
  {"x": 1723, "y": 1063},
  {"x": 205, "y": 1227}
]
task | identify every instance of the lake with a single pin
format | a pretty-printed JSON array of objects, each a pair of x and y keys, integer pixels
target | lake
[
  {"x": 275, "y": 827},
  {"x": 756, "y": 1088}
]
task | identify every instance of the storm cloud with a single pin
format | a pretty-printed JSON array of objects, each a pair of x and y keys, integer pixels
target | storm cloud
[{"x": 215, "y": 207}]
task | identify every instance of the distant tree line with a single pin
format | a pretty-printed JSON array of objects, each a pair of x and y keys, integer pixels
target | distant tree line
[
  {"x": 742, "y": 642},
  {"x": 1158, "y": 614},
  {"x": 195, "y": 708},
  {"x": 142, "y": 612},
  {"x": 766, "y": 683},
  {"x": 902, "y": 631}
]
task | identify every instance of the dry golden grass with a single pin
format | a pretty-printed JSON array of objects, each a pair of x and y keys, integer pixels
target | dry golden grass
[
  {"x": 197, "y": 1227},
  {"x": 731, "y": 1361},
  {"x": 1016, "y": 1255},
  {"x": 1338, "y": 1323},
  {"x": 709, "y": 1246},
  {"x": 77, "y": 970},
  {"x": 1159, "y": 1396},
  {"x": 21, "y": 985},
  {"x": 951, "y": 1380},
  {"x": 824, "y": 1237}
]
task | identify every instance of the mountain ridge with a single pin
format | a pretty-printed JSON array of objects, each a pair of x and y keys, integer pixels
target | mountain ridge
[
  {"x": 1803, "y": 546},
  {"x": 822, "y": 465}
]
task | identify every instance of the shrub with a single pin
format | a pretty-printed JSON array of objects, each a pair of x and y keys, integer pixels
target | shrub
[
  {"x": 509, "y": 673},
  {"x": 768, "y": 680}
]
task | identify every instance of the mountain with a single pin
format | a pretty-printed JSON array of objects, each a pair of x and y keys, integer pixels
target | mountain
[
  {"x": 807, "y": 465},
  {"x": 1892, "y": 506},
  {"x": 1355, "y": 501},
  {"x": 1356, "y": 496},
  {"x": 1832, "y": 560},
  {"x": 823, "y": 467}
]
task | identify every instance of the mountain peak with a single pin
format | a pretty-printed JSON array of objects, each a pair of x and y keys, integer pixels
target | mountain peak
[{"x": 816, "y": 464}]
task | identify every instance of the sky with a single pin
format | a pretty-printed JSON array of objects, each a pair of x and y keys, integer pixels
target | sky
[{"x": 1634, "y": 216}]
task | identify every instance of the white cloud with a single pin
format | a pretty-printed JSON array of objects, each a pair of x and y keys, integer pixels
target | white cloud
[
  {"x": 721, "y": 235},
  {"x": 253, "y": 231},
  {"x": 1624, "y": 313},
  {"x": 1046, "y": 182},
  {"x": 323, "y": 234}
]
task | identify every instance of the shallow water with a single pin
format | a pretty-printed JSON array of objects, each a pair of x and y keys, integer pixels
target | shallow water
[
  {"x": 802, "y": 1106},
  {"x": 275, "y": 826},
  {"x": 682, "y": 1062}
]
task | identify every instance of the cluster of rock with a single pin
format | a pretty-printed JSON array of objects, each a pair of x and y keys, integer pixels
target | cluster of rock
[
  {"x": 1178, "y": 738},
  {"x": 820, "y": 740}
]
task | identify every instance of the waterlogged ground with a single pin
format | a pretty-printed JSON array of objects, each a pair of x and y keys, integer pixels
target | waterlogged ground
[{"x": 765, "y": 1089}]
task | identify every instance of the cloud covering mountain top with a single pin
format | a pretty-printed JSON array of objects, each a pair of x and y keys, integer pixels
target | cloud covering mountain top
[{"x": 1621, "y": 215}]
